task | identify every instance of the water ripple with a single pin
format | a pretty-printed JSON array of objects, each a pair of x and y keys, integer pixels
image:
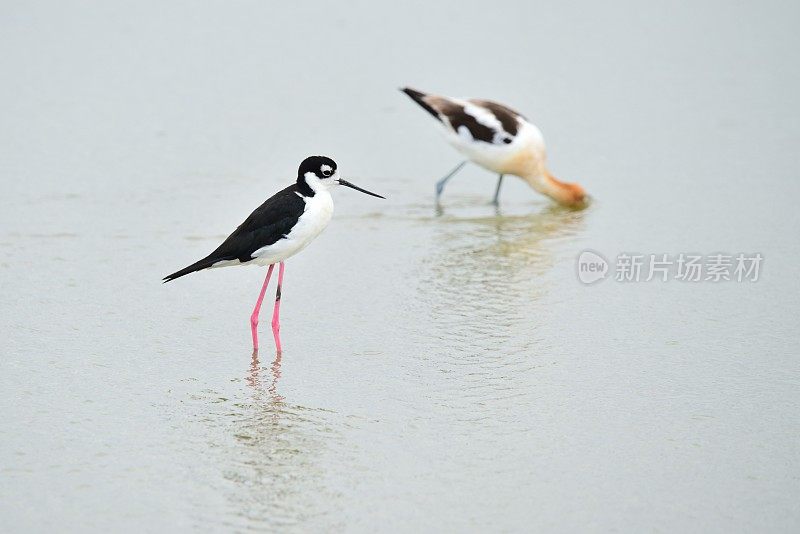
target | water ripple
[
  {"x": 481, "y": 288},
  {"x": 264, "y": 455}
]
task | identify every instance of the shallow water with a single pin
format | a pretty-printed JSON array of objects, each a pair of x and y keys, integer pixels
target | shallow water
[{"x": 442, "y": 370}]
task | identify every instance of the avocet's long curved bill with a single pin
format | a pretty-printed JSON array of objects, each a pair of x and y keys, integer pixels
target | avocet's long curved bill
[{"x": 351, "y": 186}]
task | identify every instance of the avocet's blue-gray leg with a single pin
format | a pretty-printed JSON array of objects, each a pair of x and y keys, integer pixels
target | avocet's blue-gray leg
[
  {"x": 496, "y": 199},
  {"x": 441, "y": 183}
]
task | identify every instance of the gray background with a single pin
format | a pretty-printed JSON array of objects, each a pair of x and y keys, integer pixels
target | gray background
[{"x": 441, "y": 373}]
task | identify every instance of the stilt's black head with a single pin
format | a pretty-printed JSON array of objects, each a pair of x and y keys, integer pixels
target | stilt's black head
[
  {"x": 322, "y": 166},
  {"x": 319, "y": 173},
  {"x": 313, "y": 172}
]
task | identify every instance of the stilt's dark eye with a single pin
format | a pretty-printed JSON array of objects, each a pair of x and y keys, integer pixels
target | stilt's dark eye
[{"x": 326, "y": 172}]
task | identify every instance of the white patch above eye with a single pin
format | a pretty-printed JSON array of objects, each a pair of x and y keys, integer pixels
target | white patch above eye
[{"x": 327, "y": 170}]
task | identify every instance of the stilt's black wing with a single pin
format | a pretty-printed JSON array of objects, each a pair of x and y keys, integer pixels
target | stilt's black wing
[{"x": 270, "y": 222}]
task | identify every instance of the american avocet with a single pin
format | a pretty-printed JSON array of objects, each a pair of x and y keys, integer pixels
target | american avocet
[
  {"x": 278, "y": 229},
  {"x": 498, "y": 139}
]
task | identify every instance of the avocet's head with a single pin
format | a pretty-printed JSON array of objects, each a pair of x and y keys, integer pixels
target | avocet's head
[{"x": 319, "y": 173}]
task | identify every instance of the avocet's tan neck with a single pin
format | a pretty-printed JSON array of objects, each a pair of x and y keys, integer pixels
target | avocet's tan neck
[
  {"x": 529, "y": 164},
  {"x": 563, "y": 193}
]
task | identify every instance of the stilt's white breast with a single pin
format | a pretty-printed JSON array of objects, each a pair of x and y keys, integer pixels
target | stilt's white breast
[{"x": 317, "y": 215}]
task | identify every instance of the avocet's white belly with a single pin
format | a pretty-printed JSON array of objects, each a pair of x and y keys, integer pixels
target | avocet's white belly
[
  {"x": 527, "y": 145},
  {"x": 317, "y": 215}
]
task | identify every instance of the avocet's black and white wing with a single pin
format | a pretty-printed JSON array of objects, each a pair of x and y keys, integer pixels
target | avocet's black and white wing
[
  {"x": 269, "y": 223},
  {"x": 475, "y": 120}
]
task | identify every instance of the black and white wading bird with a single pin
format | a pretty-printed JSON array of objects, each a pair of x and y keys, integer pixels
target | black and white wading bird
[
  {"x": 498, "y": 139},
  {"x": 279, "y": 228}
]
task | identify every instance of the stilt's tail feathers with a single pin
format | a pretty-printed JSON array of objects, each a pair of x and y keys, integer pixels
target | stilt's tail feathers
[{"x": 205, "y": 263}]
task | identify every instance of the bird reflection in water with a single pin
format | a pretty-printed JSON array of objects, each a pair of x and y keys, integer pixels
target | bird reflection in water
[
  {"x": 276, "y": 480},
  {"x": 485, "y": 280},
  {"x": 485, "y": 289},
  {"x": 492, "y": 254},
  {"x": 253, "y": 379}
]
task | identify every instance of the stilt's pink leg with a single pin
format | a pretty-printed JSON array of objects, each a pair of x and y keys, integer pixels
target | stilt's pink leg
[
  {"x": 276, "y": 314},
  {"x": 257, "y": 309}
]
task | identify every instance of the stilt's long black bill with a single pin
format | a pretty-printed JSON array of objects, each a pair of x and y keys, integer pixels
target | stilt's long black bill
[{"x": 351, "y": 186}]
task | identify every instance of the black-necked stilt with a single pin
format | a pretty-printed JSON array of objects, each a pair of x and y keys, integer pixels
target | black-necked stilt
[
  {"x": 498, "y": 139},
  {"x": 279, "y": 228}
]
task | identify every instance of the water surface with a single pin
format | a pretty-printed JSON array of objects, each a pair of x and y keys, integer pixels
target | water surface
[{"x": 443, "y": 370}]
